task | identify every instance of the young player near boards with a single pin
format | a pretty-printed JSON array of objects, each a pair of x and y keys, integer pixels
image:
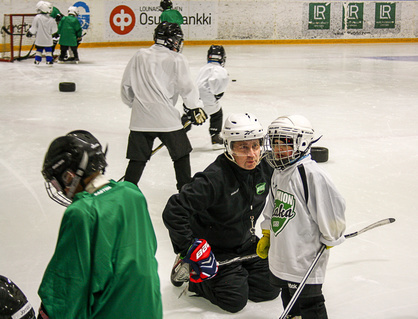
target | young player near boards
[
  {"x": 43, "y": 27},
  {"x": 152, "y": 82},
  {"x": 216, "y": 214},
  {"x": 212, "y": 81},
  {"x": 104, "y": 263},
  {"x": 70, "y": 32},
  {"x": 169, "y": 14},
  {"x": 304, "y": 211}
]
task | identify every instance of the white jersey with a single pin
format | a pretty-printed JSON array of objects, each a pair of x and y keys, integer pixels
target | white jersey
[
  {"x": 43, "y": 26},
  {"x": 212, "y": 80},
  {"x": 151, "y": 84},
  {"x": 297, "y": 230}
]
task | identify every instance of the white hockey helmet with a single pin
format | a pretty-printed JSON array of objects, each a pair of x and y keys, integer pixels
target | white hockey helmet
[
  {"x": 73, "y": 11},
  {"x": 240, "y": 127},
  {"x": 294, "y": 131},
  {"x": 44, "y": 7}
]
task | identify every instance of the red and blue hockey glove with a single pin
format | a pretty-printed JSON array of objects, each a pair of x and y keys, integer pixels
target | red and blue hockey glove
[{"x": 202, "y": 261}]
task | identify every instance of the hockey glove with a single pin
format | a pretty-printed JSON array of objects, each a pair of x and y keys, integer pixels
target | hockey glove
[
  {"x": 197, "y": 116},
  {"x": 29, "y": 35},
  {"x": 202, "y": 261},
  {"x": 264, "y": 244}
]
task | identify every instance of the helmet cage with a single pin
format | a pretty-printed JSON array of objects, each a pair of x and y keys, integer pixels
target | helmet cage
[
  {"x": 241, "y": 127},
  {"x": 169, "y": 35},
  {"x": 68, "y": 160},
  {"x": 284, "y": 146},
  {"x": 61, "y": 180}
]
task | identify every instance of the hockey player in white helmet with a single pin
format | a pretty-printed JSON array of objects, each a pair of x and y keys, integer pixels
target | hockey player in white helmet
[
  {"x": 217, "y": 212},
  {"x": 304, "y": 211},
  {"x": 43, "y": 27},
  {"x": 70, "y": 32}
]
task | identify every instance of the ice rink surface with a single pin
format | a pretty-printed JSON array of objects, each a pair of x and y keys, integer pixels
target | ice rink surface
[{"x": 361, "y": 98}]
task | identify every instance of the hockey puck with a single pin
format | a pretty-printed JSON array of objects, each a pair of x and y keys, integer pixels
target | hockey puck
[
  {"x": 319, "y": 154},
  {"x": 234, "y": 80},
  {"x": 67, "y": 87}
]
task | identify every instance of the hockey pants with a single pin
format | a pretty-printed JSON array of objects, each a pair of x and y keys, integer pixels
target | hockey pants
[
  {"x": 234, "y": 284},
  {"x": 215, "y": 123},
  {"x": 311, "y": 301},
  {"x": 140, "y": 148},
  {"x": 64, "y": 49}
]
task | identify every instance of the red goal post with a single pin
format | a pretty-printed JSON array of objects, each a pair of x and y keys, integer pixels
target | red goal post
[{"x": 14, "y": 43}]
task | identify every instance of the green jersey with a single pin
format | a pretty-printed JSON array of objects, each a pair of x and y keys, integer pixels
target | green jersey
[
  {"x": 69, "y": 29},
  {"x": 172, "y": 16},
  {"x": 104, "y": 264}
]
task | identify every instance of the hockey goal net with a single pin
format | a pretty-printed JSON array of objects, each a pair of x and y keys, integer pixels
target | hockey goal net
[{"x": 14, "y": 43}]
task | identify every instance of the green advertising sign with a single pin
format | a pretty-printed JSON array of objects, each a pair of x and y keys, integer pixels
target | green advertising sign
[
  {"x": 319, "y": 16},
  {"x": 385, "y": 15},
  {"x": 353, "y": 16}
]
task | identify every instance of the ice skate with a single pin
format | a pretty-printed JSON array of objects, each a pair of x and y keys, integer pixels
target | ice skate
[
  {"x": 217, "y": 142},
  {"x": 180, "y": 272}
]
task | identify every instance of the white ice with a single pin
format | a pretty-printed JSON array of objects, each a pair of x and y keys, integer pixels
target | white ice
[{"x": 361, "y": 98}]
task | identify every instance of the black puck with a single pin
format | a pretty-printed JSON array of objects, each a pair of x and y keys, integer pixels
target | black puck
[
  {"x": 319, "y": 154},
  {"x": 67, "y": 87}
]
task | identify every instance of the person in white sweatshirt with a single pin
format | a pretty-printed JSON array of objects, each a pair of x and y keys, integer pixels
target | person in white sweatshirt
[
  {"x": 304, "y": 211},
  {"x": 43, "y": 27}
]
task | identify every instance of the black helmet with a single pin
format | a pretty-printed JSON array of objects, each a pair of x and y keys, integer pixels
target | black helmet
[
  {"x": 69, "y": 159},
  {"x": 166, "y": 4},
  {"x": 216, "y": 53},
  {"x": 169, "y": 35},
  {"x": 13, "y": 302}
]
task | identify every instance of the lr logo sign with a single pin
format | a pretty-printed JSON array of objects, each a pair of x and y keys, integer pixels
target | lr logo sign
[
  {"x": 122, "y": 19},
  {"x": 319, "y": 16},
  {"x": 385, "y": 16},
  {"x": 353, "y": 15}
]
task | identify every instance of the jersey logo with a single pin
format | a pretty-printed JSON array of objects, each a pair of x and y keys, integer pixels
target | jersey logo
[
  {"x": 284, "y": 211},
  {"x": 260, "y": 188}
]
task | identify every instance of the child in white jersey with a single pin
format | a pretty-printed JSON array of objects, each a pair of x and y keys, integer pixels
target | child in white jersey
[
  {"x": 304, "y": 211},
  {"x": 43, "y": 27}
]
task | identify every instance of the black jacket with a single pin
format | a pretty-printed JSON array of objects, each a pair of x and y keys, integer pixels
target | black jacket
[{"x": 220, "y": 204}]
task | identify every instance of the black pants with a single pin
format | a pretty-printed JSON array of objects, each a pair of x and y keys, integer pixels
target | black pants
[
  {"x": 234, "y": 284},
  {"x": 311, "y": 301},
  {"x": 64, "y": 49},
  {"x": 140, "y": 148},
  {"x": 215, "y": 123}
]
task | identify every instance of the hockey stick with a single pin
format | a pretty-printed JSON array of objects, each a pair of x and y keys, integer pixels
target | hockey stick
[
  {"x": 237, "y": 259},
  {"x": 318, "y": 256},
  {"x": 3, "y": 28},
  {"x": 27, "y": 56}
]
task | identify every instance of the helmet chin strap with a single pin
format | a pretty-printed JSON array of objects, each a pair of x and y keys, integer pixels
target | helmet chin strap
[{"x": 78, "y": 175}]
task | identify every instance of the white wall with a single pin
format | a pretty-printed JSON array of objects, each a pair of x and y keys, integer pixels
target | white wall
[{"x": 241, "y": 19}]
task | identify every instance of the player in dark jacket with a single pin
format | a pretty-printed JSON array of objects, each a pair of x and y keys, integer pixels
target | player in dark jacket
[{"x": 216, "y": 214}]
